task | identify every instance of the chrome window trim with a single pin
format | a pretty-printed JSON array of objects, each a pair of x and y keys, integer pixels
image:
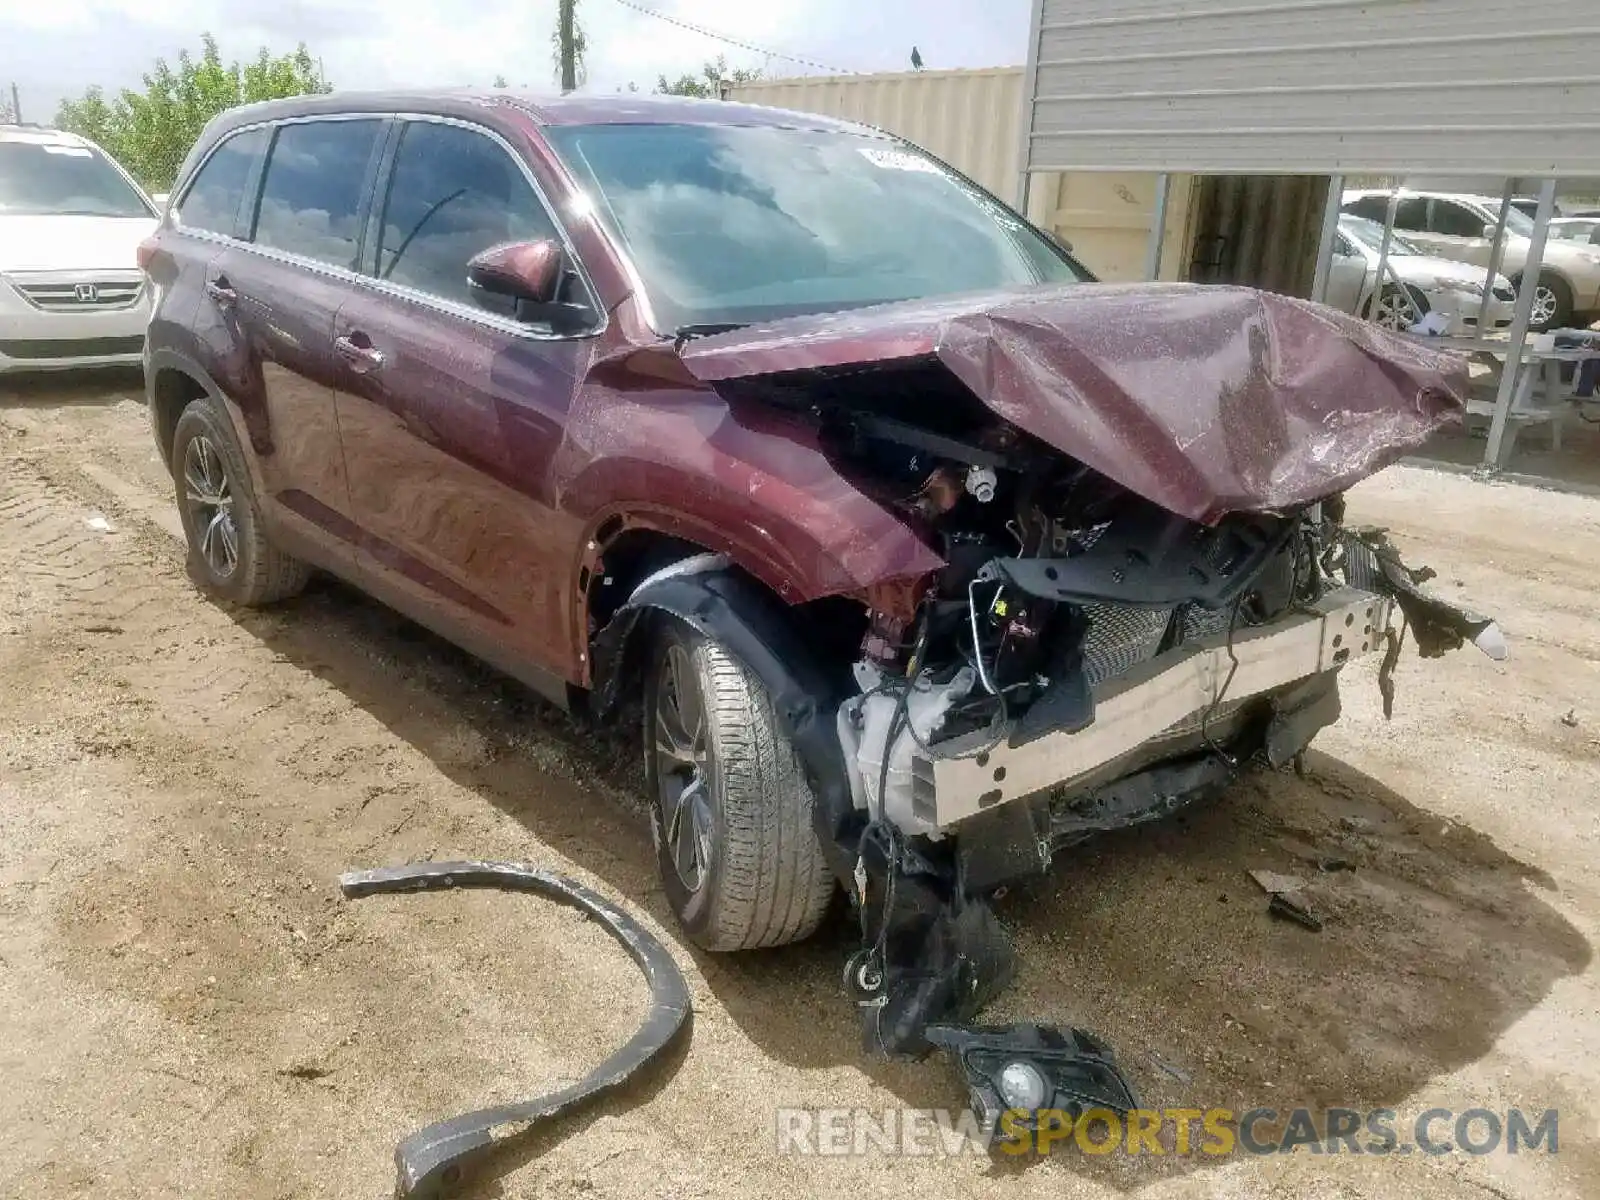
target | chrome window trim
[{"x": 372, "y": 283}]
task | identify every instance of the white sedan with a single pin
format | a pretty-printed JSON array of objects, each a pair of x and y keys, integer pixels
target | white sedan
[
  {"x": 71, "y": 220},
  {"x": 1414, "y": 284}
]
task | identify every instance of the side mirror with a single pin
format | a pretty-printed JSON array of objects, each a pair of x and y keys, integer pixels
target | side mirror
[
  {"x": 521, "y": 272},
  {"x": 523, "y": 280},
  {"x": 1488, "y": 233}
]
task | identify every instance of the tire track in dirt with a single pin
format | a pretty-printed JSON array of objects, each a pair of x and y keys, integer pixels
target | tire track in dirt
[{"x": 244, "y": 746}]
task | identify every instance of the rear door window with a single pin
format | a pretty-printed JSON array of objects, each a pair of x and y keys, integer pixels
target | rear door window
[
  {"x": 1455, "y": 220},
  {"x": 213, "y": 200},
  {"x": 311, "y": 196},
  {"x": 1411, "y": 214},
  {"x": 453, "y": 192}
]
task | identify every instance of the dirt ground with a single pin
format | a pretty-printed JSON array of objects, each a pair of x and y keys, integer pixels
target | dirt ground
[{"x": 188, "y": 1008}]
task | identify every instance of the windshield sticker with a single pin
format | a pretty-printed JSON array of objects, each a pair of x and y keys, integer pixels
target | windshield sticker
[
  {"x": 72, "y": 151},
  {"x": 898, "y": 160}
]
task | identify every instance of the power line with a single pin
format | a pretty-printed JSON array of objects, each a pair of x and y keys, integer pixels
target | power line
[{"x": 722, "y": 37}]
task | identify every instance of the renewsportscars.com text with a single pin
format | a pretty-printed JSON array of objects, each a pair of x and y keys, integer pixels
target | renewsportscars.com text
[{"x": 1212, "y": 1132}]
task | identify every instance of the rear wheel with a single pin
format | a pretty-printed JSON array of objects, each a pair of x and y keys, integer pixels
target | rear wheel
[
  {"x": 229, "y": 555},
  {"x": 732, "y": 814}
]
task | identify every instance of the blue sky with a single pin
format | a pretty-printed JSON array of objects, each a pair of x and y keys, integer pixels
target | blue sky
[{"x": 57, "y": 49}]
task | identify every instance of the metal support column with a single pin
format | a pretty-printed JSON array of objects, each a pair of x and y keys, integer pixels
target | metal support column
[
  {"x": 1383, "y": 253},
  {"x": 1330, "y": 226},
  {"x": 1497, "y": 253},
  {"x": 1519, "y": 323},
  {"x": 1030, "y": 85},
  {"x": 1158, "y": 228}
]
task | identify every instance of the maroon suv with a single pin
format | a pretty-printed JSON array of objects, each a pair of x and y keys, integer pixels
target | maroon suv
[{"x": 925, "y": 554}]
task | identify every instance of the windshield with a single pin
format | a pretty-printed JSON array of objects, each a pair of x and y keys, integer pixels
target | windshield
[
  {"x": 728, "y": 225},
  {"x": 1517, "y": 221},
  {"x": 1370, "y": 235},
  {"x": 50, "y": 179}
]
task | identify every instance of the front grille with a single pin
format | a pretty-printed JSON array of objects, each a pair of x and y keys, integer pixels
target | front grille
[
  {"x": 70, "y": 347},
  {"x": 1205, "y": 622},
  {"x": 1121, "y": 637},
  {"x": 82, "y": 295}
]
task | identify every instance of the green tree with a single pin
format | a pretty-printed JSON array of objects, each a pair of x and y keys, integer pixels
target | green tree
[
  {"x": 708, "y": 84},
  {"x": 151, "y": 131}
]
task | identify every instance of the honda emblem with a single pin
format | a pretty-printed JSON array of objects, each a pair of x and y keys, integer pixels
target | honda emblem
[{"x": 86, "y": 293}]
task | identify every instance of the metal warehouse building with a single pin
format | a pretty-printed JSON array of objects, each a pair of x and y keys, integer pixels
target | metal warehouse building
[{"x": 1229, "y": 117}]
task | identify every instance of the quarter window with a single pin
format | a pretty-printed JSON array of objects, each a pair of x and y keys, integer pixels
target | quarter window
[
  {"x": 217, "y": 193},
  {"x": 452, "y": 193},
  {"x": 311, "y": 196}
]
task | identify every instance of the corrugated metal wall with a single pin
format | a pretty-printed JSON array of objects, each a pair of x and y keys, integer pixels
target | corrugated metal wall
[
  {"x": 967, "y": 118},
  {"x": 970, "y": 119},
  {"x": 1316, "y": 86}
]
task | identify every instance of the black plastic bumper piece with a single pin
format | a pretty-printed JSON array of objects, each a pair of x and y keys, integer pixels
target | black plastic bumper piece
[{"x": 433, "y": 1157}]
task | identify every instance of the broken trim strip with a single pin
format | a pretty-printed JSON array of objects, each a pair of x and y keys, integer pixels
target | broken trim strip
[{"x": 432, "y": 1157}]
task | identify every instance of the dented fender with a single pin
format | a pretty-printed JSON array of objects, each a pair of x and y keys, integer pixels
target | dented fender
[{"x": 725, "y": 605}]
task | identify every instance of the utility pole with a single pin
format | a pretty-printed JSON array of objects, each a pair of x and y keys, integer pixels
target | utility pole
[
  {"x": 569, "y": 52},
  {"x": 16, "y": 104}
]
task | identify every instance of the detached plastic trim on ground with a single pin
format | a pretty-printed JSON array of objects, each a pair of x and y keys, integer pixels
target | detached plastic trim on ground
[{"x": 433, "y": 1157}]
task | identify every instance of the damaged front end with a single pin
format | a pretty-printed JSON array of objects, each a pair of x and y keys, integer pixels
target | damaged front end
[
  {"x": 1148, "y": 587},
  {"x": 1117, "y": 666}
]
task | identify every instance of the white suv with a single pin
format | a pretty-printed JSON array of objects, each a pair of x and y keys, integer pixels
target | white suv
[
  {"x": 71, "y": 220},
  {"x": 1461, "y": 226}
]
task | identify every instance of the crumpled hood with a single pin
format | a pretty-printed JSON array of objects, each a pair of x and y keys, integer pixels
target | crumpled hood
[{"x": 1205, "y": 400}]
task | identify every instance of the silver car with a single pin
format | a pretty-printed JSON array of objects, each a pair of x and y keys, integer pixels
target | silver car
[
  {"x": 71, "y": 220},
  {"x": 1414, "y": 284},
  {"x": 1460, "y": 226}
]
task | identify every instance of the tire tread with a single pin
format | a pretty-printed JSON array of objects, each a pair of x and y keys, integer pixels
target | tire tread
[{"x": 774, "y": 885}]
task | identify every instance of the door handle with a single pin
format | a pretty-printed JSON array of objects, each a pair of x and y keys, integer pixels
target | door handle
[
  {"x": 220, "y": 290},
  {"x": 362, "y": 358}
]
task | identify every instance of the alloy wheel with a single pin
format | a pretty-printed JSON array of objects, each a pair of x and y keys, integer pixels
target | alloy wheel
[
  {"x": 683, "y": 769},
  {"x": 1544, "y": 306},
  {"x": 1396, "y": 310},
  {"x": 210, "y": 500}
]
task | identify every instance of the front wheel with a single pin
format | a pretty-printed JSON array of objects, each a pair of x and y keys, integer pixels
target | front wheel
[
  {"x": 1397, "y": 307},
  {"x": 732, "y": 814}
]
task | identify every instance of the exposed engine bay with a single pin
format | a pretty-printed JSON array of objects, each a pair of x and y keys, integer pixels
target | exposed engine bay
[{"x": 1087, "y": 660}]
